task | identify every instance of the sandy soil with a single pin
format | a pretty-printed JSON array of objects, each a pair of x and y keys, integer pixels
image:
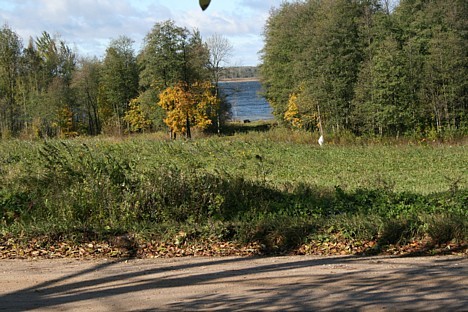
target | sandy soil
[{"x": 236, "y": 284}]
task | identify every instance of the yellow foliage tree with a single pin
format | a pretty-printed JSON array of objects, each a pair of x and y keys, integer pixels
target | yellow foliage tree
[
  {"x": 135, "y": 117},
  {"x": 187, "y": 106},
  {"x": 303, "y": 110},
  {"x": 65, "y": 123},
  {"x": 292, "y": 112}
]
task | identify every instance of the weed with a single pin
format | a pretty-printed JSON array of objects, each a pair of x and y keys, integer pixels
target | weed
[
  {"x": 276, "y": 233},
  {"x": 355, "y": 226},
  {"x": 443, "y": 228},
  {"x": 398, "y": 231}
]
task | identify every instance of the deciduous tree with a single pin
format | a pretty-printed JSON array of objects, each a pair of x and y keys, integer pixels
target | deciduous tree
[
  {"x": 85, "y": 84},
  {"x": 220, "y": 50},
  {"x": 171, "y": 55},
  {"x": 10, "y": 61},
  {"x": 119, "y": 82},
  {"x": 188, "y": 106}
]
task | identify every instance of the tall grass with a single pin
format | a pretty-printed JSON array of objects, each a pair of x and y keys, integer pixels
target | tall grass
[{"x": 278, "y": 188}]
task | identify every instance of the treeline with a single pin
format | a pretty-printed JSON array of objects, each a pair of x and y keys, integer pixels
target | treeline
[
  {"x": 363, "y": 67},
  {"x": 237, "y": 72},
  {"x": 46, "y": 89}
]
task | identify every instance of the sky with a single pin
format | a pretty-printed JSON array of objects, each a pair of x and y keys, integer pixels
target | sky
[{"x": 89, "y": 25}]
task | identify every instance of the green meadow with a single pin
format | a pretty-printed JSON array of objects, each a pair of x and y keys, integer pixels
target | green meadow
[{"x": 275, "y": 188}]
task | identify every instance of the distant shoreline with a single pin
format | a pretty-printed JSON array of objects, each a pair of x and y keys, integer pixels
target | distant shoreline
[{"x": 239, "y": 79}]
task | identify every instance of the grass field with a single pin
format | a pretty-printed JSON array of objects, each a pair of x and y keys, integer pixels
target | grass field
[{"x": 275, "y": 188}]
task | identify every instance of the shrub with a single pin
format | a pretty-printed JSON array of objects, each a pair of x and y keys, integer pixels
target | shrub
[{"x": 14, "y": 205}]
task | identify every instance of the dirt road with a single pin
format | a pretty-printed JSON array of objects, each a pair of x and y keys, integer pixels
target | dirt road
[{"x": 236, "y": 284}]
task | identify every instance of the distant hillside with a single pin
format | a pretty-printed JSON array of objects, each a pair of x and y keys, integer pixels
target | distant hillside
[{"x": 239, "y": 72}]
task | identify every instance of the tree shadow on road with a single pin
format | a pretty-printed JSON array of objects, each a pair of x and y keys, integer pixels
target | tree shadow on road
[{"x": 338, "y": 283}]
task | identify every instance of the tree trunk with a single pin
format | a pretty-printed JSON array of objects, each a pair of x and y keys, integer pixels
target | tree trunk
[{"x": 188, "y": 133}]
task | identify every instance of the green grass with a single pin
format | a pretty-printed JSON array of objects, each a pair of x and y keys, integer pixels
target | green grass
[
  {"x": 275, "y": 187},
  {"x": 417, "y": 169}
]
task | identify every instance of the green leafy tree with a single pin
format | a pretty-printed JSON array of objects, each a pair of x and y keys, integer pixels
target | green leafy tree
[
  {"x": 314, "y": 45},
  {"x": 171, "y": 56},
  {"x": 445, "y": 80},
  {"x": 389, "y": 88},
  {"x": 280, "y": 53},
  {"x": 57, "y": 63},
  {"x": 375, "y": 26},
  {"x": 369, "y": 66},
  {"x": 433, "y": 34},
  {"x": 164, "y": 56},
  {"x": 32, "y": 87},
  {"x": 118, "y": 84},
  {"x": 10, "y": 61},
  {"x": 331, "y": 60}
]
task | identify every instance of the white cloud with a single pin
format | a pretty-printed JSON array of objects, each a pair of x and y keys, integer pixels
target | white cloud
[{"x": 90, "y": 24}]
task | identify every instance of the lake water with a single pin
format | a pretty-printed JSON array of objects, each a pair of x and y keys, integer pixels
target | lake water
[{"x": 245, "y": 100}]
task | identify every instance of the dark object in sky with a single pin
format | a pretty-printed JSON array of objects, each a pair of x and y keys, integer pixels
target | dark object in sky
[{"x": 204, "y": 4}]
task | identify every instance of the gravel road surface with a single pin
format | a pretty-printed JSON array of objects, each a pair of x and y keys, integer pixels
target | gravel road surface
[{"x": 296, "y": 283}]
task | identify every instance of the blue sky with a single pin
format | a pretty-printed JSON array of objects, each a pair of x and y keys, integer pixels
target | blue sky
[{"x": 89, "y": 25}]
